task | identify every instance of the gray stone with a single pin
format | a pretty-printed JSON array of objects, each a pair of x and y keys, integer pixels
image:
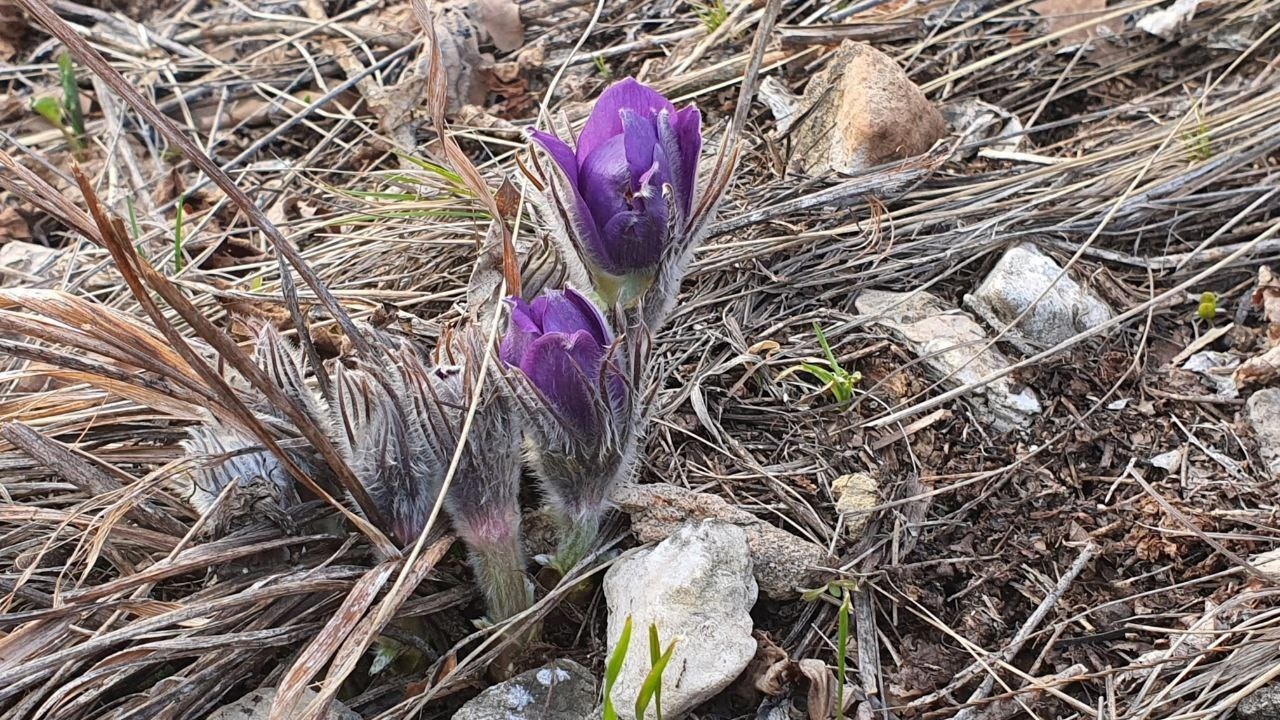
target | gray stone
[
  {"x": 954, "y": 350},
  {"x": 257, "y": 706},
  {"x": 696, "y": 587},
  {"x": 1263, "y": 413},
  {"x": 859, "y": 111},
  {"x": 1056, "y": 307},
  {"x": 783, "y": 564},
  {"x": 1263, "y": 704},
  {"x": 559, "y": 690}
]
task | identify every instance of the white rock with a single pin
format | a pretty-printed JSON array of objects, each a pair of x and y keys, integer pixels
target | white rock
[
  {"x": 257, "y": 706},
  {"x": 953, "y": 349},
  {"x": 1166, "y": 22},
  {"x": 560, "y": 690},
  {"x": 696, "y": 587},
  {"x": 1021, "y": 276},
  {"x": 1263, "y": 412}
]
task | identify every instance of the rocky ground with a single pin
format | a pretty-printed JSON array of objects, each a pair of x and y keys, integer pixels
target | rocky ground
[{"x": 1037, "y": 237}]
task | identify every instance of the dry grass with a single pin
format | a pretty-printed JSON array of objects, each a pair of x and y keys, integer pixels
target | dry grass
[{"x": 1055, "y": 574}]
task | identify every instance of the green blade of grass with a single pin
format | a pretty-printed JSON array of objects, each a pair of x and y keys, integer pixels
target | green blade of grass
[
  {"x": 613, "y": 669},
  {"x": 71, "y": 98},
  {"x": 651, "y": 689},
  {"x": 842, "y": 649}
]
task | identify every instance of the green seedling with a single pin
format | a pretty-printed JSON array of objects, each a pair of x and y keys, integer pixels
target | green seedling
[
  {"x": 1208, "y": 307},
  {"x": 651, "y": 688},
  {"x": 1198, "y": 142},
  {"x": 839, "y": 381},
  {"x": 602, "y": 67},
  {"x": 67, "y": 115},
  {"x": 613, "y": 669},
  {"x": 177, "y": 234},
  {"x": 842, "y": 649},
  {"x": 71, "y": 97},
  {"x": 712, "y": 14}
]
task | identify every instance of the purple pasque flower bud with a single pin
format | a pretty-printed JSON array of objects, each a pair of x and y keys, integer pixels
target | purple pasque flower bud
[
  {"x": 571, "y": 381},
  {"x": 400, "y": 422},
  {"x": 633, "y": 147}
]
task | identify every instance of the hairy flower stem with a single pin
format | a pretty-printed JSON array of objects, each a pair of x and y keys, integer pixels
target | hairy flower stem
[
  {"x": 500, "y": 572},
  {"x": 577, "y": 538}
]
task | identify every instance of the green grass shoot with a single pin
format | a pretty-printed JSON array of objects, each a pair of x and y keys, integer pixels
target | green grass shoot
[
  {"x": 651, "y": 689},
  {"x": 1198, "y": 142},
  {"x": 834, "y": 377},
  {"x": 712, "y": 14},
  {"x": 842, "y": 649},
  {"x": 71, "y": 97},
  {"x": 602, "y": 67},
  {"x": 613, "y": 669},
  {"x": 177, "y": 234}
]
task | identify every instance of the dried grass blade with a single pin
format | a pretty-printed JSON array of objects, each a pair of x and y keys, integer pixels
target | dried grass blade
[
  {"x": 77, "y": 470},
  {"x": 320, "y": 650},
  {"x": 133, "y": 269}
]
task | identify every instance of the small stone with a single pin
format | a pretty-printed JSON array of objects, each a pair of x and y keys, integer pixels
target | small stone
[
  {"x": 856, "y": 495},
  {"x": 1263, "y": 704},
  {"x": 860, "y": 111},
  {"x": 955, "y": 350},
  {"x": 696, "y": 588},
  {"x": 783, "y": 564},
  {"x": 1263, "y": 413},
  {"x": 1056, "y": 307},
  {"x": 559, "y": 690},
  {"x": 257, "y": 706}
]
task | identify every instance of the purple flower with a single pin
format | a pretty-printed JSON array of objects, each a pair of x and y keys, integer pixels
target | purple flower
[
  {"x": 633, "y": 145},
  {"x": 573, "y": 382},
  {"x": 562, "y": 344}
]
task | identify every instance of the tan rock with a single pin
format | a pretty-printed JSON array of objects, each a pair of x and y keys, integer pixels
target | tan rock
[
  {"x": 856, "y": 495},
  {"x": 783, "y": 563},
  {"x": 860, "y": 111}
]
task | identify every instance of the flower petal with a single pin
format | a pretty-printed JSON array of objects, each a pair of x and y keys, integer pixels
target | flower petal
[
  {"x": 582, "y": 225},
  {"x": 522, "y": 330},
  {"x": 605, "y": 185},
  {"x": 594, "y": 319},
  {"x": 681, "y": 140},
  {"x": 606, "y": 121},
  {"x": 564, "y": 368},
  {"x": 559, "y": 151},
  {"x": 644, "y": 155},
  {"x": 637, "y": 239}
]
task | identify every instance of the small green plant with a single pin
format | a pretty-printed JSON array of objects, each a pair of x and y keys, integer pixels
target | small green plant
[
  {"x": 841, "y": 382},
  {"x": 67, "y": 116},
  {"x": 603, "y": 68},
  {"x": 712, "y": 14},
  {"x": 1199, "y": 144},
  {"x": 71, "y": 97},
  {"x": 1208, "y": 307},
  {"x": 651, "y": 688},
  {"x": 613, "y": 669},
  {"x": 842, "y": 649},
  {"x": 177, "y": 234}
]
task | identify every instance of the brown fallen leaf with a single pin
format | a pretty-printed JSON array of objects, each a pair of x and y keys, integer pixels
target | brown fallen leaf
[
  {"x": 13, "y": 226},
  {"x": 1061, "y": 14},
  {"x": 229, "y": 253}
]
